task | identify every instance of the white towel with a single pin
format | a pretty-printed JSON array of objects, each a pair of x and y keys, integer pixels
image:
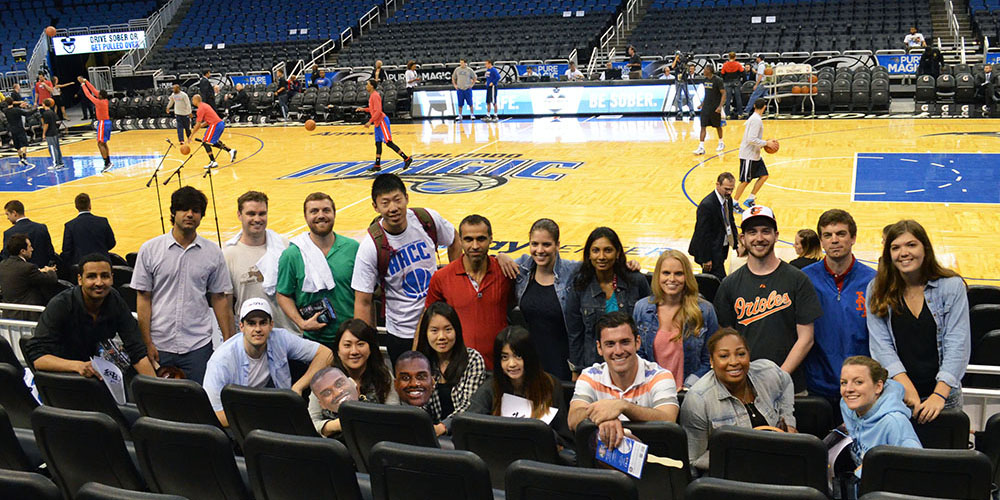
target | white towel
[
  {"x": 318, "y": 274},
  {"x": 268, "y": 264}
]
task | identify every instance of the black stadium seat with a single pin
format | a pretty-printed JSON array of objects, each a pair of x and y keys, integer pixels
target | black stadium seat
[
  {"x": 814, "y": 415},
  {"x": 406, "y": 472},
  {"x": 15, "y": 397},
  {"x": 12, "y": 455},
  {"x": 366, "y": 424},
  {"x": 76, "y": 392},
  {"x": 277, "y": 410},
  {"x": 18, "y": 484},
  {"x": 767, "y": 457},
  {"x": 950, "y": 430},
  {"x": 665, "y": 440},
  {"x": 176, "y": 400},
  {"x": 925, "y": 89},
  {"x": 284, "y": 467},
  {"x": 713, "y": 488},
  {"x": 841, "y": 94},
  {"x": 965, "y": 88},
  {"x": 880, "y": 94},
  {"x": 945, "y": 88},
  {"x": 97, "y": 491},
  {"x": 500, "y": 441},
  {"x": 860, "y": 95},
  {"x": 983, "y": 294},
  {"x": 527, "y": 480},
  {"x": 959, "y": 474}
]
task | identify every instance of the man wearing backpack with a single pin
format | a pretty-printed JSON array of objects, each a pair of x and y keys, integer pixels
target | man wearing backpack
[{"x": 400, "y": 255}]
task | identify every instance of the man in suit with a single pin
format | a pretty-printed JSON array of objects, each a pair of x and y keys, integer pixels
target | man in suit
[
  {"x": 715, "y": 230},
  {"x": 23, "y": 282},
  {"x": 38, "y": 234},
  {"x": 205, "y": 88},
  {"x": 86, "y": 234},
  {"x": 987, "y": 83}
]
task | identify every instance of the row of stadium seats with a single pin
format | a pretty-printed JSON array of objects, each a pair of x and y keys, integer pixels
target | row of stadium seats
[
  {"x": 960, "y": 88},
  {"x": 986, "y": 18},
  {"x": 237, "y": 57},
  {"x": 20, "y": 27}
]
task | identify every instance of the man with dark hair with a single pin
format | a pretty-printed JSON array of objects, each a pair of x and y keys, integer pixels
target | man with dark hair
[
  {"x": 413, "y": 381},
  {"x": 214, "y": 126},
  {"x": 732, "y": 76},
  {"x": 173, "y": 274},
  {"x": 259, "y": 356},
  {"x": 38, "y": 233},
  {"x": 50, "y": 130},
  {"x": 476, "y": 287},
  {"x": 759, "y": 88},
  {"x": 180, "y": 104},
  {"x": 624, "y": 387},
  {"x": 15, "y": 113},
  {"x": 21, "y": 281},
  {"x": 492, "y": 83},
  {"x": 751, "y": 162},
  {"x": 383, "y": 133},
  {"x": 104, "y": 127},
  {"x": 205, "y": 88},
  {"x": 314, "y": 274},
  {"x": 252, "y": 256},
  {"x": 463, "y": 78},
  {"x": 711, "y": 108},
  {"x": 769, "y": 301},
  {"x": 841, "y": 283},
  {"x": 86, "y": 234},
  {"x": 43, "y": 88},
  {"x": 81, "y": 322},
  {"x": 400, "y": 255},
  {"x": 715, "y": 230},
  {"x": 281, "y": 92}
]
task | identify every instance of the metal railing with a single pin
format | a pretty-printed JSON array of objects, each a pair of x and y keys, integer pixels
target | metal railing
[
  {"x": 616, "y": 32},
  {"x": 375, "y": 14},
  {"x": 593, "y": 61},
  {"x": 13, "y": 329},
  {"x": 156, "y": 23},
  {"x": 987, "y": 395}
]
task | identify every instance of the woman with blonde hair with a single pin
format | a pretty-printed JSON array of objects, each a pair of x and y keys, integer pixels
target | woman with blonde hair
[
  {"x": 674, "y": 322},
  {"x": 807, "y": 248},
  {"x": 918, "y": 322}
]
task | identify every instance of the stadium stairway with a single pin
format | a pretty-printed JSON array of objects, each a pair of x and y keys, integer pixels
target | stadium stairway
[
  {"x": 621, "y": 44},
  {"x": 171, "y": 27}
]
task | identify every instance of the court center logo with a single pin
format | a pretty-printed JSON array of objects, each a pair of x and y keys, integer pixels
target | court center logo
[{"x": 445, "y": 173}]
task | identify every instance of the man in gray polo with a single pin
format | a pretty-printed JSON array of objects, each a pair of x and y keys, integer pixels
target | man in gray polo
[
  {"x": 173, "y": 274},
  {"x": 463, "y": 78}
]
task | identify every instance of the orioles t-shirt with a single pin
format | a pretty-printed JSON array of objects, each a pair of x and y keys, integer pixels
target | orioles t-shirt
[
  {"x": 766, "y": 309},
  {"x": 408, "y": 276}
]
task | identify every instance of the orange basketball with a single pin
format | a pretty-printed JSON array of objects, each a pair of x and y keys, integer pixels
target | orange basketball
[
  {"x": 310, "y": 125},
  {"x": 814, "y": 79},
  {"x": 796, "y": 90},
  {"x": 185, "y": 149},
  {"x": 773, "y": 150},
  {"x": 815, "y": 90},
  {"x": 51, "y": 31},
  {"x": 768, "y": 71}
]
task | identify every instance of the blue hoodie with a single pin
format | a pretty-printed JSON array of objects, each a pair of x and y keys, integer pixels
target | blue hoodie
[{"x": 887, "y": 422}]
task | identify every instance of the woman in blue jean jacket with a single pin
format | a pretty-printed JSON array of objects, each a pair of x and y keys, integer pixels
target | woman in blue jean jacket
[
  {"x": 604, "y": 284},
  {"x": 911, "y": 279},
  {"x": 690, "y": 321}
]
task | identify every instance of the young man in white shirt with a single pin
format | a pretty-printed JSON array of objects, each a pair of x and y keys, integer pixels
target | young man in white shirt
[
  {"x": 181, "y": 104},
  {"x": 751, "y": 164},
  {"x": 914, "y": 40},
  {"x": 573, "y": 74},
  {"x": 400, "y": 254}
]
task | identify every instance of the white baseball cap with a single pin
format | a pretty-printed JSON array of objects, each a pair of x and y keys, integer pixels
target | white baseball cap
[
  {"x": 758, "y": 214},
  {"x": 255, "y": 304}
]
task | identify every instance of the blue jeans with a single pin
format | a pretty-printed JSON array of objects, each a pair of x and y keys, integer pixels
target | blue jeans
[
  {"x": 757, "y": 94},
  {"x": 734, "y": 99},
  {"x": 54, "y": 151},
  {"x": 682, "y": 88},
  {"x": 183, "y": 126},
  {"x": 192, "y": 363}
]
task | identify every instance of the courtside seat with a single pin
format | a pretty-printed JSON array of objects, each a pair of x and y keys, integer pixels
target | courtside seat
[{"x": 960, "y": 474}]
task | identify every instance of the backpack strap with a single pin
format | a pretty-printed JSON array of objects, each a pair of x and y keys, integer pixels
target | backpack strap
[
  {"x": 383, "y": 250},
  {"x": 427, "y": 222}
]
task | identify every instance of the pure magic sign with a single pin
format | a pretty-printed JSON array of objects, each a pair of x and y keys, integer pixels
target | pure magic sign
[{"x": 99, "y": 42}]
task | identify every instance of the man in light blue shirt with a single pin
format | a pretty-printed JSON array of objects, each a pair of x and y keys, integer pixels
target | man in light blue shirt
[{"x": 258, "y": 356}]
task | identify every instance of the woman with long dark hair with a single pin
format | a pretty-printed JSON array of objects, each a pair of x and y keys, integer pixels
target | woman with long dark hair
[
  {"x": 358, "y": 356},
  {"x": 918, "y": 322},
  {"x": 517, "y": 370},
  {"x": 603, "y": 284},
  {"x": 457, "y": 369}
]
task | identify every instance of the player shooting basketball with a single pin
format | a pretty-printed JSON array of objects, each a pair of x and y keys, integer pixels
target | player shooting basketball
[{"x": 100, "y": 100}]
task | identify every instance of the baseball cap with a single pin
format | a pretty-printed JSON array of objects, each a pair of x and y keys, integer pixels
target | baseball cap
[
  {"x": 255, "y": 304},
  {"x": 756, "y": 215}
]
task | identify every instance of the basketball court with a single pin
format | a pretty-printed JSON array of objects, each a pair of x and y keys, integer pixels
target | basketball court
[{"x": 636, "y": 175}]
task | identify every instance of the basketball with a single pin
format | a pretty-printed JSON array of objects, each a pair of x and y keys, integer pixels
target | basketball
[
  {"x": 814, "y": 79},
  {"x": 50, "y": 31},
  {"x": 768, "y": 71},
  {"x": 815, "y": 90},
  {"x": 796, "y": 90},
  {"x": 185, "y": 149},
  {"x": 310, "y": 125},
  {"x": 773, "y": 150}
]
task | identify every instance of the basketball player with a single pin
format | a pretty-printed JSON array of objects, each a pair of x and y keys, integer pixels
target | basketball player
[
  {"x": 100, "y": 100},
  {"x": 207, "y": 117},
  {"x": 492, "y": 80},
  {"x": 15, "y": 111},
  {"x": 382, "y": 131},
  {"x": 711, "y": 108},
  {"x": 751, "y": 164}
]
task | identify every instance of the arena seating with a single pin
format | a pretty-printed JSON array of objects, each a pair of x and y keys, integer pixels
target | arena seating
[
  {"x": 986, "y": 18},
  {"x": 257, "y": 34},
  {"x": 22, "y": 21},
  {"x": 446, "y": 30},
  {"x": 718, "y": 26},
  {"x": 955, "y": 85}
]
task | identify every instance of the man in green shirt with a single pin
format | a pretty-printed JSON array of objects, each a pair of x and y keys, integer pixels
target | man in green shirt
[{"x": 318, "y": 265}]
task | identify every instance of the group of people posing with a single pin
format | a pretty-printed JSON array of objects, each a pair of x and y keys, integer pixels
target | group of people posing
[{"x": 883, "y": 345}]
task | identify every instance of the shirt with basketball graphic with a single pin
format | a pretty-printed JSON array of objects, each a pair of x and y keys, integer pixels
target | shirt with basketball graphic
[
  {"x": 766, "y": 310},
  {"x": 413, "y": 261}
]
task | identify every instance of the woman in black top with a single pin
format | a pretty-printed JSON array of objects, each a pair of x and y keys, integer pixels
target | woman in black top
[{"x": 807, "y": 248}]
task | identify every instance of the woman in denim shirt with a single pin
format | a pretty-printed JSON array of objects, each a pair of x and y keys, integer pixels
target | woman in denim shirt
[
  {"x": 678, "y": 342},
  {"x": 604, "y": 284},
  {"x": 736, "y": 392},
  {"x": 928, "y": 306}
]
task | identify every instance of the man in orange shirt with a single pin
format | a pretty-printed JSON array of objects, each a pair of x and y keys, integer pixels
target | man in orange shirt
[
  {"x": 382, "y": 131},
  {"x": 732, "y": 77},
  {"x": 207, "y": 117},
  {"x": 100, "y": 100}
]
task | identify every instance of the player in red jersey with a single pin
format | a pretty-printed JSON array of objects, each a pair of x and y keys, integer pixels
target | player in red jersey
[
  {"x": 207, "y": 117},
  {"x": 100, "y": 100},
  {"x": 382, "y": 131}
]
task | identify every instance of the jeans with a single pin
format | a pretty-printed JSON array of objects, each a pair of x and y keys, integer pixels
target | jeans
[
  {"x": 192, "y": 363},
  {"x": 283, "y": 102},
  {"x": 757, "y": 94},
  {"x": 734, "y": 99},
  {"x": 54, "y": 150},
  {"x": 183, "y": 126},
  {"x": 682, "y": 88}
]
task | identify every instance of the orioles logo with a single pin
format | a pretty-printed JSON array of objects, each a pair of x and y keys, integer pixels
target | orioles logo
[
  {"x": 760, "y": 308},
  {"x": 755, "y": 211}
]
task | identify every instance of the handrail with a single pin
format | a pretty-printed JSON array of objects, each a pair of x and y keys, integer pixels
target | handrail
[
  {"x": 155, "y": 23},
  {"x": 366, "y": 20},
  {"x": 572, "y": 56},
  {"x": 7, "y": 306},
  {"x": 346, "y": 36},
  {"x": 963, "y": 50},
  {"x": 593, "y": 61}
]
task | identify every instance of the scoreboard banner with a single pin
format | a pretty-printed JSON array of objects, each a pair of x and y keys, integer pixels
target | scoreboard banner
[
  {"x": 99, "y": 42},
  {"x": 556, "y": 99}
]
